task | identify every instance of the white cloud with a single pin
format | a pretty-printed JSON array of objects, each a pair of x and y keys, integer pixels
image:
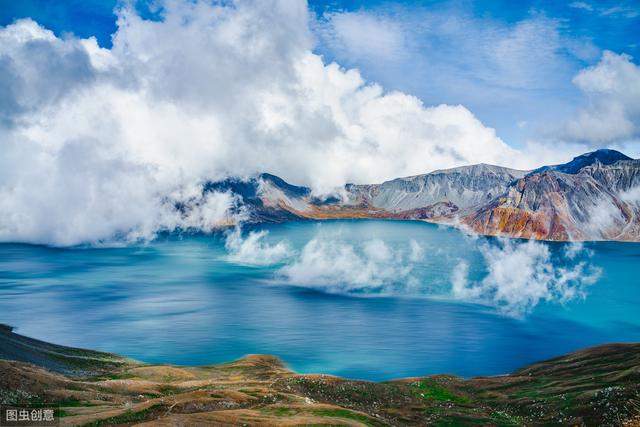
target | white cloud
[
  {"x": 581, "y": 5},
  {"x": 612, "y": 114},
  {"x": 452, "y": 46},
  {"x": 521, "y": 275},
  {"x": 38, "y": 69},
  {"x": 416, "y": 253},
  {"x": 254, "y": 250},
  {"x": 363, "y": 34},
  {"x": 606, "y": 219},
  {"x": 620, "y": 10},
  {"x": 100, "y": 142},
  {"x": 574, "y": 249},
  {"x": 631, "y": 196},
  {"x": 506, "y": 72},
  {"x": 331, "y": 264},
  {"x": 514, "y": 276}
]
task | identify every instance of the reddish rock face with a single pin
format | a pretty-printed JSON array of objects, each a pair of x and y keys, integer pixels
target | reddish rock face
[
  {"x": 596, "y": 203},
  {"x": 514, "y": 222},
  {"x": 596, "y": 196}
]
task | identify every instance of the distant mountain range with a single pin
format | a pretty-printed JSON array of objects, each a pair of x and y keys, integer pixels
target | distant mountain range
[{"x": 596, "y": 196}]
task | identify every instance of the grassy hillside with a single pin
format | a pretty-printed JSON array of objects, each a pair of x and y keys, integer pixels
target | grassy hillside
[{"x": 596, "y": 386}]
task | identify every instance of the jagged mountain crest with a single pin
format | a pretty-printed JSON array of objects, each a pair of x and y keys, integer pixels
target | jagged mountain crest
[
  {"x": 464, "y": 186},
  {"x": 603, "y": 156},
  {"x": 595, "y": 196}
]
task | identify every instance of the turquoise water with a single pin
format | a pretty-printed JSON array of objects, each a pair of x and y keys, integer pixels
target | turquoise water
[{"x": 361, "y": 299}]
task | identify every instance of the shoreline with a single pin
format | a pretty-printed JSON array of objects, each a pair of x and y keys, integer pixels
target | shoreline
[
  {"x": 221, "y": 230},
  {"x": 595, "y": 386}
]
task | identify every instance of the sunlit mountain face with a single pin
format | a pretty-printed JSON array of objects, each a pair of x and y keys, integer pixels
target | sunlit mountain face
[{"x": 592, "y": 197}]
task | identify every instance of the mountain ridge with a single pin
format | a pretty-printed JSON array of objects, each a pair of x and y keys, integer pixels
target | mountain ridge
[
  {"x": 603, "y": 156},
  {"x": 595, "y": 196}
]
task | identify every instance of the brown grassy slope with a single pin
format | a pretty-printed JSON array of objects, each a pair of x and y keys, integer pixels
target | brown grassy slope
[{"x": 597, "y": 386}]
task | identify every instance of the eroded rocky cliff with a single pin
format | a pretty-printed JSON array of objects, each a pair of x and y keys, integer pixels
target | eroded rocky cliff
[{"x": 595, "y": 196}]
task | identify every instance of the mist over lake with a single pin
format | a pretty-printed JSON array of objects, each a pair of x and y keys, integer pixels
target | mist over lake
[{"x": 363, "y": 299}]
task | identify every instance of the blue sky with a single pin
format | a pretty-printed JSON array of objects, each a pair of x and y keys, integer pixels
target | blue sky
[
  {"x": 437, "y": 50},
  {"x": 448, "y": 66}
]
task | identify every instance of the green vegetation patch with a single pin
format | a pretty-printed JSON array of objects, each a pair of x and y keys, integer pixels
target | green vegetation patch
[
  {"x": 502, "y": 418},
  {"x": 429, "y": 389},
  {"x": 60, "y": 413},
  {"x": 280, "y": 411},
  {"x": 252, "y": 393},
  {"x": 170, "y": 390},
  {"x": 116, "y": 376}
]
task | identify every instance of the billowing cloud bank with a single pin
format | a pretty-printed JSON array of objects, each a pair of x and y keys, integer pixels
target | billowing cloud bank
[
  {"x": 613, "y": 112},
  {"x": 522, "y": 275},
  {"x": 511, "y": 276},
  {"x": 100, "y": 143}
]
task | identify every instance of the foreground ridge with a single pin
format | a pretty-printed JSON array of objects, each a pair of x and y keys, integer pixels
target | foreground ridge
[
  {"x": 596, "y": 196},
  {"x": 596, "y": 386}
]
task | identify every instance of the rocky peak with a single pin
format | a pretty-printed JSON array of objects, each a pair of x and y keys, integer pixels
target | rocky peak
[{"x": 602, "y": 156}]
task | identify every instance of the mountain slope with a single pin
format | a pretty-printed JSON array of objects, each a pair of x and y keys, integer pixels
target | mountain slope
[
  {"x": 595, "y": 196},
  {"x": 440, "y": 195},
  {"x": 603, "y": 156},
  {"x": 595, "y": 202},
  {"x": 464, "y": 187}
]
